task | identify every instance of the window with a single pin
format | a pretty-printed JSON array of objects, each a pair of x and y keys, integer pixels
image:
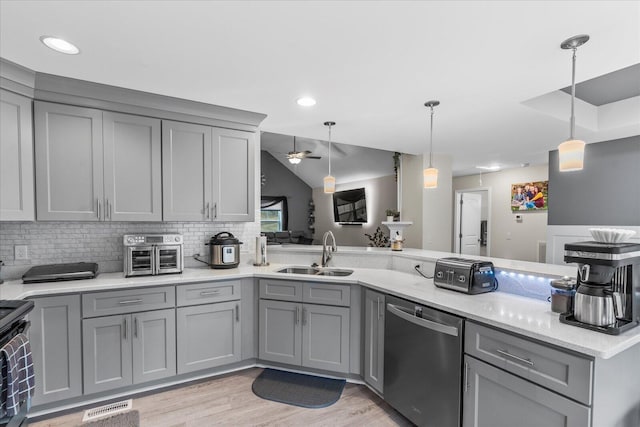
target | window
[
  {"x": 273, "y": 214},
  {"x": 271, "y": 218}
]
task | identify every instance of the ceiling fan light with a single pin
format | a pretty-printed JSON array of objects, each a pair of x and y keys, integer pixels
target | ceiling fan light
[
  {"x": 430, "y": 176},
  {"x": 571, "y": 155},
  {"x": 329, "y": 184},
  {"x": 294, "y": 160}
]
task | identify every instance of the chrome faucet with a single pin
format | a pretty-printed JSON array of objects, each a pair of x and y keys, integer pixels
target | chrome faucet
[{"x": 326, "y": 252}]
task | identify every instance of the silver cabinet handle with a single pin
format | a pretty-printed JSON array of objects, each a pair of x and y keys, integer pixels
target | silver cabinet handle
[
  {"x": 378, "y": 306},
  {"x": 207, "y": 293},
  {"x": 131, "y": 301},
  {"x": 206, "y": 210},
  {"x": 215, "y": 210},
  {"x": 297, "y": 316},
  {"x": 108, "y": 210},
  {"x": 466, "y": 377},
  {"x": 135, "y": 327},
  {"x": 99, "y": 209},
  {"x": 304, "y": 316},
  {"x": 425, "y": 323},
  {"x": 237, "y": 312},
  {"x": 513, "y": 356},
  {"x": 124, "y": 328}
]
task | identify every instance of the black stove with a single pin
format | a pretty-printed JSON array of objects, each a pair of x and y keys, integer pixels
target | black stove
[{"x": 12, "y": 313}]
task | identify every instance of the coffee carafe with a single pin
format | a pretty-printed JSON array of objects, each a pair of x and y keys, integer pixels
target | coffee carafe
[{"x": 608, "y": 294}]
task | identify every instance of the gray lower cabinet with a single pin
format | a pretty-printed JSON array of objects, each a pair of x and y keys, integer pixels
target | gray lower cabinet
[
  {"x": 495, "y": 398},
  {"x": 374, "y": 339},
  {"x": 310, "y": 335},
  {"x": 128, "y": 349},
  {"x": 56, "y": 348},
  {"x": 16, "y": 158},
  {"x": 208, "y": 336}
]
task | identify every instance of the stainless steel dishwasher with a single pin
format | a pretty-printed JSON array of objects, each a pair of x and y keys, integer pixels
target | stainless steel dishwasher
[{"x": 423, "y": 363}]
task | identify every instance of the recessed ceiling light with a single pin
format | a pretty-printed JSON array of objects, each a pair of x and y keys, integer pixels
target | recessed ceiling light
[
  {"x": 489, "y": 168},
  {"x": 60, "y": 45},
  {"x": 306, "y": 101}
]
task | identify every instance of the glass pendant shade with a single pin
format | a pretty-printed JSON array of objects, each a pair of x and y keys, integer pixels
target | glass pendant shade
[
  {"x": 571, "y": 155},
  {"x": 329, "y": 184},
  {"x": 430, "y": 178},
  {"x": 294, "y": 160}
]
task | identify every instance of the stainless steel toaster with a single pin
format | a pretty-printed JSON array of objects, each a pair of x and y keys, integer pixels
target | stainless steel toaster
[{"x": 465, "y": 275}]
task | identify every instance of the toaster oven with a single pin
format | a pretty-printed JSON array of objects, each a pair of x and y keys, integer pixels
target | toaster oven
[
  {"x": 152, "y": 254},
  {"x": 465, "y": 275}
]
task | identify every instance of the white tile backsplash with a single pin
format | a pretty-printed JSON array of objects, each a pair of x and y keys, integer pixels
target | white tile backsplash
[{"x": 59, "y": 242}]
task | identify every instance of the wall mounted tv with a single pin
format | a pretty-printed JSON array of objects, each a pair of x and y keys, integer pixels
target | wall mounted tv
[{"x": 350, "y": 206}]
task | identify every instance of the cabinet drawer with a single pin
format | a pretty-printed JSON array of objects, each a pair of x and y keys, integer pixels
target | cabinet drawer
[
  {"x": 326, "y": 293},
  {"x": 129, "y": 301},
  {"x": 284, "y": 290},
  {"x": 204, "y": 293},
  {"x": 566, "y": 373}
]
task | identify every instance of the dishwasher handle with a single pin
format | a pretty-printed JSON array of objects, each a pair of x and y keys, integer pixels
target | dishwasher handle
[{"x": 424, "y": 323}]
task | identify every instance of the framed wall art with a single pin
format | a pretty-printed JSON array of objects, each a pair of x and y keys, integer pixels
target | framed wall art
[{"x": 529, "y": 196}]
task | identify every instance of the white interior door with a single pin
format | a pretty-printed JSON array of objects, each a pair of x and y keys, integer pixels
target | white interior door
[{"x": 470, "y": 214}]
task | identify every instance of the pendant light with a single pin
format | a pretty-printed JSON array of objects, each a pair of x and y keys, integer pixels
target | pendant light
[
  {"x": 571, "y": 152},
  {"x": 329, "y": 181},
  {"x": 431, "y": 173}
]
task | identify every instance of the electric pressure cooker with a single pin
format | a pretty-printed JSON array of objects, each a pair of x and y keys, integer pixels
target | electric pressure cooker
[{"x": 224, "y": 250}]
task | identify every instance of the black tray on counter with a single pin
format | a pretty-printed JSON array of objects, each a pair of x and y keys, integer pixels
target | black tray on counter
[{"x": 61, "y": 272}]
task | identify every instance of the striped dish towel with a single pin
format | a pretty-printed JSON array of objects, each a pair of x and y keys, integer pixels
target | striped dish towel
[{"x": 16, "y": 374}]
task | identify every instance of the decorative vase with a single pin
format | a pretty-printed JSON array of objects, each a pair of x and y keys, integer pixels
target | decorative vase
[{"x": 389, "y": 218}]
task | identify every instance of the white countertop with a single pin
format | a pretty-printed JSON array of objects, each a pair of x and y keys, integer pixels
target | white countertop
[{"x": 524, "y": 316}]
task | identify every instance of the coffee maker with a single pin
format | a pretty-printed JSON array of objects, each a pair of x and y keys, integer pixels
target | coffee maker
[{"x": 608, "y": 294}]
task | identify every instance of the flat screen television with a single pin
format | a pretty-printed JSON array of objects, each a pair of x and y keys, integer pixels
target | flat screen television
[{"x": 350, "y": 206}]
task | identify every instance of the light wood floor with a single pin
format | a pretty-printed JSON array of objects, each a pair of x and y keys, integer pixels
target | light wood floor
[{"x": 229, "y": 401}]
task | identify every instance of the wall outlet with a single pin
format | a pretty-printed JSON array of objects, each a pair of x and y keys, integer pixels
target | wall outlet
[{"x": 21, "y": 252}]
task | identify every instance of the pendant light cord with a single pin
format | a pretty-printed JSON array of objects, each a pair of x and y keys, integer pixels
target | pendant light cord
[
  {"x": 329, "y": 149},
  {"x": 431, "y": 140},
  {"x": 572, "y": 122}
]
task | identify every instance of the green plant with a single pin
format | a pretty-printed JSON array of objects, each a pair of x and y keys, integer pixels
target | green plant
[
  {"x": 378, "y": 239},
  {"x": 392, "y": 212}
]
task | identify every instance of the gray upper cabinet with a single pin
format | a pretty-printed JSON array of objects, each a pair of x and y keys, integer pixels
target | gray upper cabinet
[
  {"x": 233, "y": 179},
  {"x": 207, "y": 173},
  {"x": 55, "y": 339},
  {"x": 374, "y": 339},
  {"x": 68, "y": 153},
  {"x": 132, "y": 168},
  {"x": 495, "y": 398},
  {"x": 16, "y": 158},
  {"x": 95, "y": 166},
  {"x": 186, "y": 173}
]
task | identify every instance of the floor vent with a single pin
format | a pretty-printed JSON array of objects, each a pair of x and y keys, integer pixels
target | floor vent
[{"x": 107, "y": 410}]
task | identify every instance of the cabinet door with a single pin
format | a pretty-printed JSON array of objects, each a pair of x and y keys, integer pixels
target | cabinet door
[
  {"x": 186, "y": 172},
  {"x": 68, "y": 153},
  {"x": 495, "y": 398},
  {"x": 374, "y": 339},
  {"x": 280, "y": 332},
  {"x": 154, "y": 345},
  {"x": 16, "y": 158},
  {"x": 132, "y": 168},
  {"x": 233, "y": 175},
  {"x": 106, "y": 353},
  {"x": 208, "y": 336},
  {"x": 325, "y": 337},
  {"x": 56, "y": 348}
]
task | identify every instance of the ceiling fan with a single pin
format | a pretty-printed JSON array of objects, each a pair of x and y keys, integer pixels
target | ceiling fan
[{"x": 296, "y": 157}]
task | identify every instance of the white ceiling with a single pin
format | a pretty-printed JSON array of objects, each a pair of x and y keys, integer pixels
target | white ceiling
[{"x": 370, "y": 64}]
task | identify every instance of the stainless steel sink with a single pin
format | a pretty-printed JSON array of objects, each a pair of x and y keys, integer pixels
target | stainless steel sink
[
  {"x": 316, "y": 271},
  {"x": 299, "y": 270}
]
